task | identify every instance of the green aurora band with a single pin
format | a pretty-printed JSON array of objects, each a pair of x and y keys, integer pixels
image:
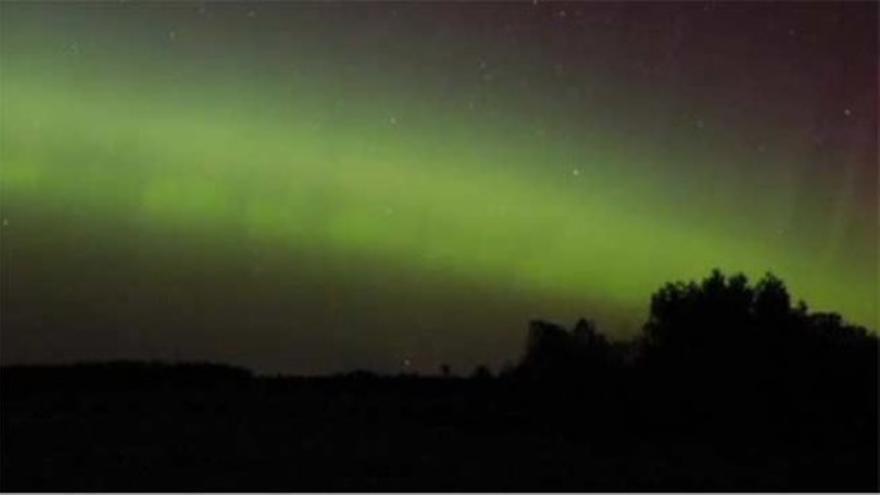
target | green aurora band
[{"x": 347, "y": 157}]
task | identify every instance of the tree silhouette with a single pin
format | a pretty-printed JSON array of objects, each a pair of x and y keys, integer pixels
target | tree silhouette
[
  {"x": 724, "y": 352},
  {"x": 445, "y": 370},
  {"x": 482, "y": 372},
  {"x": 552, "y": 352}
]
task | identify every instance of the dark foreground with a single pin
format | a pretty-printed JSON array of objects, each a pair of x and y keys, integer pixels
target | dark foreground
[
  {"x": 730, "y": 387},
  {"x": 135, "y": 427}
]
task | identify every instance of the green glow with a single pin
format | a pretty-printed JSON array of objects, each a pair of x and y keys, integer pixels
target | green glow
[{"x": 304, "y": 163}]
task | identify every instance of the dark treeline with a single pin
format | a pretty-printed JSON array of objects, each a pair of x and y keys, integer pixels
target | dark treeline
[
  {"x": 730, "y": 386},
  {"x": 730, "y": 364}
]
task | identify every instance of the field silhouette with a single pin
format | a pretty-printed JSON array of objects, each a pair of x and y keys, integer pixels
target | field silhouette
[{"x": 731, "y": 386}]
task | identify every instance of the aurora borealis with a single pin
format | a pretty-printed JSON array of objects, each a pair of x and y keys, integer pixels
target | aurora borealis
[{"x": 310, "y": 187}]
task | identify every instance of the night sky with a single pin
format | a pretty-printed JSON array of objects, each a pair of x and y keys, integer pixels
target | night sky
[{"x": 314, "y": 187}]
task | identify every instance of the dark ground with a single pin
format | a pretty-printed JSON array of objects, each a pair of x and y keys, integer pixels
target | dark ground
[
  {"x": 135, "y": 427},
  {"x": 731, "y": 387}
]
